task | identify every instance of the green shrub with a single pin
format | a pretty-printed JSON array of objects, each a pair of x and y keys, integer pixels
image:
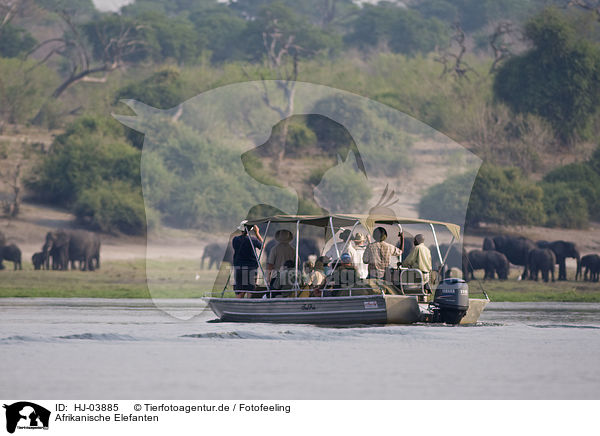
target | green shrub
[
  {"x": 91, "y": 151},
  {"x": 447, "y": 201},
  {"x": 504, "y": 196},
  {"x": 583, "y": 181},
  {"x": 564, "y": 206},
  {"x": 112, "y": 206}
]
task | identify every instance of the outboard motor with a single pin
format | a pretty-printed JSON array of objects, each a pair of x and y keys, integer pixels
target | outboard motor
[{"x": 451, "y": 301}]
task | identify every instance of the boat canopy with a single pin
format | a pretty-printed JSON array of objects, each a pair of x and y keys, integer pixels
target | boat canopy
[{"x": 344, "y": 220}]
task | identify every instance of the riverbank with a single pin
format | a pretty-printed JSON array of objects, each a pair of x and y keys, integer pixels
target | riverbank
[{"x": 183, "y": 279}]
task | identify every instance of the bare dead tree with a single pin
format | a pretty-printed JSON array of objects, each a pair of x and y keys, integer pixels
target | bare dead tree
[
  {"x": 500, "y": 42},
  {"x": 452, "y": 57},
  {"x": 279, "y": 47},
  {"x": 9, "y": 9},
  {"x": 116, "y": 45}
]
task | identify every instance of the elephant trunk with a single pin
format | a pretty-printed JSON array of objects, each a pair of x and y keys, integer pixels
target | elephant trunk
[{"x": 578, "y": 273}]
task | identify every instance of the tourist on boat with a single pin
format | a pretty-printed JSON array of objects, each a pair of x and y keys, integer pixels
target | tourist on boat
[
  {"x": 319, "y": 276},
  {"x": 340, "y": 246},
  {"x": 281, "y": 253},
  {"x": 284, "y": 279},
  {"x": 344, "y": 276},
  {"x": 420, "y": 258},
  {"x": 359, "y": 244},
  {"x": 245, "y": 265},
  {"x": 378, "y": 254}
]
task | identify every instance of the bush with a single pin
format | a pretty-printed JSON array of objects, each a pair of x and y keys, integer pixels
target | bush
[
  {"x": 112, "y": 206},
  {"x": 447, "y": 201},
  {"x": 90, "y": 152},
  {"x": 558, "y": 79},
  {"x": 564, "y": 206},
  {"x": 583, "y": 181},
  {"x": 504, "y": 196}
]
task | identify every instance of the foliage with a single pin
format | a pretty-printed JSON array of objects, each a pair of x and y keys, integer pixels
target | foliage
[
  {"x": 583, "y": 181},
  {"x": 111, "y": 206},
  {"x": 163, "y": 89},
  {"x": 504, "y": 196},
  {"x": 564, "y": 206},
  {"x": 559, "y": 79},
  {"x": 23, "y": 89},
  {"x": 278, "y": 19},
  {"x": 15, "y": 41},
  {"x": 169, "y": 38},
  {"x": 405, "y": 31},
  {"x": 446, "y": 201},
  {"x": 84, "y": 163}
]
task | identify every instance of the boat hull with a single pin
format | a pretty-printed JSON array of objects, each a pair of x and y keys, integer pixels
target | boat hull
[{"x": 364, "y": 309}]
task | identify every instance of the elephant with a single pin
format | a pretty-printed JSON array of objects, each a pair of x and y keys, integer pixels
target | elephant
[
  {"x": 72, "y": 245},
  {"x": 38, "y": 260},
  {"x": 12, "y": 253},
  {"x": 491, "y": 261},
  {"x": 562, "y": 250},
  {"x": 591, "y": 263},
  {"x": 542, "y": 244},
  {"x": 488, "y": 244},
  {"x": 516, "y": 249},
  {"x": 216, "y": 254},
  {"x": 541, "y": 259}
]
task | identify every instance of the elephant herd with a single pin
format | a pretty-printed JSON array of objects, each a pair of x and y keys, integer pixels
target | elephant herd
[
  {"x": 495, "y": 257},
  {"x": 535, "y": 257},
  {"x": 61, "y": 249}
]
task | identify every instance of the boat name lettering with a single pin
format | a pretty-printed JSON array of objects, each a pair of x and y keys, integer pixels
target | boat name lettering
[
  {"x": 308, "y": 307},
  {"x": 370, "y": 304}
]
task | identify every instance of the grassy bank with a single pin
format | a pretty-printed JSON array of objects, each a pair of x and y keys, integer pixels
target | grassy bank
[{"x": 177, "y": 279}]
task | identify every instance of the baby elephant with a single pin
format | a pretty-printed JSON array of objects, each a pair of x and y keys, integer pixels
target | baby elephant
[
  {"x": 491, "y": 261},
  {"x": 12, "y": 253},
  {"x": 541, "y": 259},
  {"x": 38, "y": 260},
  {"x": 591, "y": 263}
]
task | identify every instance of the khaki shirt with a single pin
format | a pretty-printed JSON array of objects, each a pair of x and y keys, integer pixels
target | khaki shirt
[
  {"x": 280, "y": 254},
  {"x": 378, "y": 256},
  {"x": 419, "y": 258}
]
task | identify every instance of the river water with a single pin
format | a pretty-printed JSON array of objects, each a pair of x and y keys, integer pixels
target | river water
[{"x": 125, "y": 349}]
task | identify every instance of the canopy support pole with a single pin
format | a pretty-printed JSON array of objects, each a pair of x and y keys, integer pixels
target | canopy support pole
[
  {"x": 263, "y": 245},
  {"x": 333, "y": 237},
  {"x": 257, "y": 260},
  {"x": 345, "y": 245},
  {"x": 296, "y": 284},
  {"x": 437, "y": 245}
]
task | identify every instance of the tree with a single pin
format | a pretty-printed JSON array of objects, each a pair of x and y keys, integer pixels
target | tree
[
  {"x": 504, "y": 196},
  {"x": 99, "y": 46},
  {"x": 403, "y": 30},
  {"x": 559, "y": 79},
  {"x": 15, "y": 41}
]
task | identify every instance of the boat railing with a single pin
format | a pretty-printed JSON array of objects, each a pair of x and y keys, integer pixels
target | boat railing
[
  {"x": 322, "y": 292},
  {"x": 416, "y": 284}
]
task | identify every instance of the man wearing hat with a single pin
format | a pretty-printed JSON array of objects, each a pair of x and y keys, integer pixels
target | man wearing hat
[
  {"x": 379, "y": 253},
  {"x": 420, "y": 258},
  {"x": 245, "y": 264},
  {"x": 281, "y": 253}
]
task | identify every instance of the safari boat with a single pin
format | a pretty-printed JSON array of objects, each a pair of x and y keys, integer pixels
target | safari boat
[{"x": 402, "y": 299}]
